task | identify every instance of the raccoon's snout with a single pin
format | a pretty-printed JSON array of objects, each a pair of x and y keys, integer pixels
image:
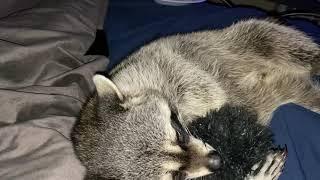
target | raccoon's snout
[
  {"x": 195, "y": 158},
  {"x": 214, "y": 161}
]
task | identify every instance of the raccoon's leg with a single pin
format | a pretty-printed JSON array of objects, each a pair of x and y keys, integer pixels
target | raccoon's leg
[
  {"x": 271, "y": 44},
  {"x": 309, "y": 97},
  {"x": 274, "y": 66},
  {"x": 287, "y": 89},
  {"x": 271, "y": 169}
]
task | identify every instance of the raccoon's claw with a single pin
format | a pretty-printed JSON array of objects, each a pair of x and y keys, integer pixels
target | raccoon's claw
[{"x": 271, "y": 169}]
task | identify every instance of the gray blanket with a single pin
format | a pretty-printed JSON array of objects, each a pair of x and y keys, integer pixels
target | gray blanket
[{"x": 44, "y": 80}]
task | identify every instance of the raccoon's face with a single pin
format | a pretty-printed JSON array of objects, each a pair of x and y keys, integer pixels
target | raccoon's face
[{"x": 144, "y": 138}]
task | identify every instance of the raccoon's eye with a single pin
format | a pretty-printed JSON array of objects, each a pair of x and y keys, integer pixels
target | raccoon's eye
[{"x": 183, "y": 137}]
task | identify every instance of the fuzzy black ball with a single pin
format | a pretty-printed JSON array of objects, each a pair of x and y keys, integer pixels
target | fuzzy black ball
[{"x": 234, "y": 133}]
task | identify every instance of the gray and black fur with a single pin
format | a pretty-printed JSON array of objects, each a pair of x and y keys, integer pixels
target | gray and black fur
[
  {"x": 240, "y": 141},
  {"x": 126, "y": 130}
]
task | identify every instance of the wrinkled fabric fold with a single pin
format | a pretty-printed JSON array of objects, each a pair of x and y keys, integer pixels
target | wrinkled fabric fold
[{"x": 44, "y": 80}]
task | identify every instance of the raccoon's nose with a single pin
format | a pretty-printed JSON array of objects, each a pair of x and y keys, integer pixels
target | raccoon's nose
[{"x": 214, "y": 160}]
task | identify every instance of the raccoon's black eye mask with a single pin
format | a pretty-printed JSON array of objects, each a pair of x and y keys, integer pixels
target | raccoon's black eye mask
[{"x": 183, "y": 136}]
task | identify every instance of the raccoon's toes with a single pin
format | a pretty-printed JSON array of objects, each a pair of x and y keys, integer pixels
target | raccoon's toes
[{"x": 271, "y": 169}]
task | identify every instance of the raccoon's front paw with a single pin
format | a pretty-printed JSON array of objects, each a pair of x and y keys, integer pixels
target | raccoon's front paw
[{"x": 271, "y": 169}]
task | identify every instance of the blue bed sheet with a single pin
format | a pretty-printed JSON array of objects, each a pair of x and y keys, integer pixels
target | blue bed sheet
[
  {"x": 299, "y": 129},
  {"x": 130, "y": 24}
]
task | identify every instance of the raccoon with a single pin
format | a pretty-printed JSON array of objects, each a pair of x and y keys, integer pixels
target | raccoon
[{"x": 136, "y": 124}]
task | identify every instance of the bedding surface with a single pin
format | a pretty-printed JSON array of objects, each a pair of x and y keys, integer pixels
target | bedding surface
[
  {"x": 293, "y": 126},
  {"x": 44, "y": 80}
]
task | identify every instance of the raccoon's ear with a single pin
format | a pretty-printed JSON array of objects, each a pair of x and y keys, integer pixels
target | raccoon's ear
[{"x": 106, "y": 87}]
